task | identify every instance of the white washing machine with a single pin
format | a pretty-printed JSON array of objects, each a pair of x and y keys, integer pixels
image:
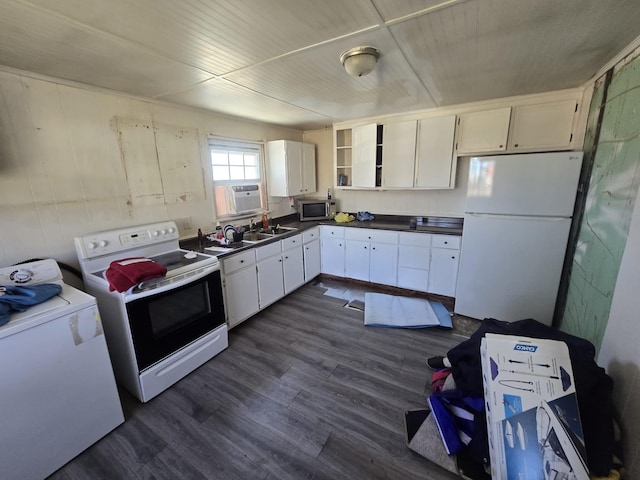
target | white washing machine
[{"x": 58, "y": 393}]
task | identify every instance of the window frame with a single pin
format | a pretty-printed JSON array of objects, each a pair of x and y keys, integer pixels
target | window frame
[{"x": 239, "y": 145}]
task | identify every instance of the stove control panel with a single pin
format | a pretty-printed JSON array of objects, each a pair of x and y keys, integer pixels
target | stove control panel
[
  {"x": 134, "y": 238},
  {"x": 114, "y": 241}
]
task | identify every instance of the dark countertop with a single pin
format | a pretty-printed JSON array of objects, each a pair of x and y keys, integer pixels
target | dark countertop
[
  {"x": 437, "y": 225},
  {"x": 455, "y": 229}
]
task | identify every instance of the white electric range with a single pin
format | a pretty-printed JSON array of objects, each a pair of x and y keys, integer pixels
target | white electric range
[{"x": 162, "y": 329}]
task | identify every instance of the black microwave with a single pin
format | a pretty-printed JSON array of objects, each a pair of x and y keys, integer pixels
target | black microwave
[{"x": 316, "y": 210}]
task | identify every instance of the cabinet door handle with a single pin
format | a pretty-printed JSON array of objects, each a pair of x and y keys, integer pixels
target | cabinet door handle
[
  {"x": 241, "y": 261},
  {"x": 453, "y": 258},
  {"x": 280, "y": 260},
  {"x": 286, "y": 258}
]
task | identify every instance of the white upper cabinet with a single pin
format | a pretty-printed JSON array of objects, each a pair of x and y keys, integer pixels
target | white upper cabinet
[
  {"x": 422, "y": 154},
  {"x": 435, "y": 160},
  {"x": 363, "y": 154},
  {"x": 398, "y": 154},
  {"x": 484, "y": 131},
  {"x": 545, "y": 126},
  {"x": 291, "y": 168},
  {"x": 309, "y": 168}
]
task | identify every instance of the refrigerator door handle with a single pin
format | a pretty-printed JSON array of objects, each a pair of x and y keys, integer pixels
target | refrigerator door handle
[{"x": 517, "y": 217}]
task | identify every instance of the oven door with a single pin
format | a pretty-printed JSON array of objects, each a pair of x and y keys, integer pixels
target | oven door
[{"x": 163, "y": 323}]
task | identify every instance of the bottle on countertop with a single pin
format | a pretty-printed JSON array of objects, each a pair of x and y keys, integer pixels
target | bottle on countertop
[
  {"x": 265, "y": 221},
  {"x": 200, "y": 237},
  {"x": 219, "y": 233},
  {"x": 329, "y": 193}
]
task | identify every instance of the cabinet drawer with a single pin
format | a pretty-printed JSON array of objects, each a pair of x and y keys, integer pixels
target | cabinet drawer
[
  {"x": 291, "y": 242},
  {"x": 371, "y": 235},
  {"x": 415, "y": 239},
  {"x": 330, "y": 231},
  {"x": 445, "y": 241},
  {"x": 267, "y": 251},
  {"x": 238, "y": 261},
  {"x": 310, "y": 235}
]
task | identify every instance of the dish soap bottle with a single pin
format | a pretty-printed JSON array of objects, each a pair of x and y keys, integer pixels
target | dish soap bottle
[
  {"x": 265, "y": 221},
  {"x": 329, "y": 193},
  {"x": 200, "y": 237},
  {"x": 219, "y": 234}
]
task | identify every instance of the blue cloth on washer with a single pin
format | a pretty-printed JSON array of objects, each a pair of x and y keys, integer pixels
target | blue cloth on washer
[{"x": 17, "y": 298}]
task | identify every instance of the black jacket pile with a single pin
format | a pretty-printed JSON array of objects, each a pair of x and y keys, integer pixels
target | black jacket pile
[{"x": 593, "y": 387}]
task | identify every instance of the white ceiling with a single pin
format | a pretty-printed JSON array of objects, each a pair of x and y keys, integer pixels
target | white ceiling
[{"x": 277, "y": 61}]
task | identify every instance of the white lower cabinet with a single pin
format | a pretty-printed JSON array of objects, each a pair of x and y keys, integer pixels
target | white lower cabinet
[
  {"x": 443, "y": 272},
  {"x": 270, "y": 280},
  {"x": 280, "y": 269},
  {"x": 240, "y": 287},
  {"x": 356, "y": 262},
  {"x": 269, "y": 273},
  {"x": 256, "y": 278},
  {"x": 371, "y": 255},
  {"x": 311, "y": 253},
  {"x": 383, "y": 264},
  {"x": 413, "y": 261},
  {"x": 292, "y": 263},
  {"x": 332, "y": 250}
]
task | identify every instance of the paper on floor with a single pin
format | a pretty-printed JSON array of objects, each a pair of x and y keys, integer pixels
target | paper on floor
[{"x": 393, "y": 311}]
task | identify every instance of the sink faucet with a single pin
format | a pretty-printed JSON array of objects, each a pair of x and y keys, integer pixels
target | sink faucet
[{"x": 252, "y": 225}]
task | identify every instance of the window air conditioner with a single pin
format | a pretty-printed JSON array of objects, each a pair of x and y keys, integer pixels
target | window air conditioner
[{"x": 237, "y": 199}]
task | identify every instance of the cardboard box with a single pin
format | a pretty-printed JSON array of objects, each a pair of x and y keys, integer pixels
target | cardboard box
[{"x": 532, "y": 413}]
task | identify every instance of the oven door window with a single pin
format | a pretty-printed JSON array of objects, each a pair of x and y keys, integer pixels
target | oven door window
[{"x": 163, "y": 324}]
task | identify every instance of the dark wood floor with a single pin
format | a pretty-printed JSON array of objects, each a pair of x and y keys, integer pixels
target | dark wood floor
[{"x": 304, "y": 391}]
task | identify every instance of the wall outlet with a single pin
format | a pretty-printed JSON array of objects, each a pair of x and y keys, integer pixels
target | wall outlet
[{"x": 186, "y": 223}]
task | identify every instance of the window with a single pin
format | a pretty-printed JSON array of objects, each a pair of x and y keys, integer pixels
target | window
[
  {"x": 236, "y": 166},
  {"x": 234, "y": 162}
]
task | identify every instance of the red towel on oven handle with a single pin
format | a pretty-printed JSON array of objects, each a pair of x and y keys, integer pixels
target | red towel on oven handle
[{"x": 127, "y": 272}]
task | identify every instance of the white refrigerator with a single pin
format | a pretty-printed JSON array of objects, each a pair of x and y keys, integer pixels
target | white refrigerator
[{"x": 516, "y": 226}]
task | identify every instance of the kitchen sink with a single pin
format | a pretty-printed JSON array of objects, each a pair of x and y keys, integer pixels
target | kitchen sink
[
  {"x": 256, "y": 237},
  {"x": 280, "y": 231},
  {"x": 251, "y": 238}
]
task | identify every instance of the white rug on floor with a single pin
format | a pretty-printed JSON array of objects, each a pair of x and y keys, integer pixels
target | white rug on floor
[{"x": 381, "y": 310}]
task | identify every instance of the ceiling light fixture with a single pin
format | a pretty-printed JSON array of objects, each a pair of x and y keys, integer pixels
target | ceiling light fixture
[{"x": 360, "y": 61}]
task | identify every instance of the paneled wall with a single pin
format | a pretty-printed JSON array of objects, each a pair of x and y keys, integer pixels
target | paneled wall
[
  {"x": 603, "y": 301},
  {"x": 76, "y": 160},
  {"x": 610, "y": 200},
  {"x": 619, "y": 352}
]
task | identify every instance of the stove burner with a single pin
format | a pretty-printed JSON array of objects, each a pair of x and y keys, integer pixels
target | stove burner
[{"x": 177, "y": 259}]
